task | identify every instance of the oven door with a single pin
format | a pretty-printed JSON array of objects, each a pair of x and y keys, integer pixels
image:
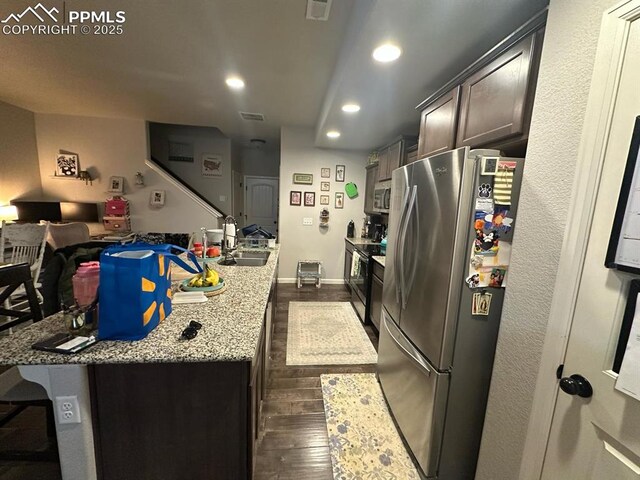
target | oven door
[
  {"x": 360, "y": 286},
  {"x": 359, "y": 282}
]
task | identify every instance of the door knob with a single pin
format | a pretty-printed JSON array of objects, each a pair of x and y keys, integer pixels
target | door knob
[{"x": 576, "y": 385}]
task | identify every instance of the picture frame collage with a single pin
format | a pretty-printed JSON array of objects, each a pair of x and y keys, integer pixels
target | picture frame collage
[{"x": 299, "y": 198}]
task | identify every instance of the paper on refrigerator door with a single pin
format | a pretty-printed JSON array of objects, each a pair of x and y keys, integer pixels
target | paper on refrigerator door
[{"x": 629, "y": 378}]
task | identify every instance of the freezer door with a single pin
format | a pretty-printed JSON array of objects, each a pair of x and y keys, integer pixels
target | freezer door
[
  {"x": 416, "y": 394},
  {"x": 434, "y": 238},
  {"x": 391, "y": 290}
]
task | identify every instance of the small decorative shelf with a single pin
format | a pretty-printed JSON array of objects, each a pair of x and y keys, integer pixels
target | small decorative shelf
[
  {"x": 84, "y": 176},
  {"x": 324, "y": 218}
]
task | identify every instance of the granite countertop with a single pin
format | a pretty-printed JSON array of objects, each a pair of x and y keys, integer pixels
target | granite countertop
[
  {"x": 361, "y": 241},
  {"x": 379, "y": 258},
  {"x": 231, "y": 324}
]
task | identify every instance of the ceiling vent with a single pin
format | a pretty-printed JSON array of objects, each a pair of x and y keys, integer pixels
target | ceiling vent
[
  {"x": 318, "y": 9},
  {"x": 252, "y": 117}
]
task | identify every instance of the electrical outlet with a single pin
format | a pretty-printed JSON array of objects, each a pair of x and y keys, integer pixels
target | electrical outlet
[
  {"x": 68, "y": 410},
  {"x": 307, "y": 221}
]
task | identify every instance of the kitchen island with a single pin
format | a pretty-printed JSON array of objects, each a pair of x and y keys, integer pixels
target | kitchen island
[{"x": 164, "y": 407}]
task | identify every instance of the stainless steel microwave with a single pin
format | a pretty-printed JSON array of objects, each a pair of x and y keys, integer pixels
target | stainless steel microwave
[{"x": 382, "y": 197}]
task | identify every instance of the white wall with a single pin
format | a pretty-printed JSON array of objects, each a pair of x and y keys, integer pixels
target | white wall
[
  {"x": 113, "y": 147},
  {"x": 558, "y": 116},
  {"x": 205, "y": 140},
  {"x": 298, "y": 242},
  {"x": 19, "y": 168},
  {"x": 260, "y": 162}
]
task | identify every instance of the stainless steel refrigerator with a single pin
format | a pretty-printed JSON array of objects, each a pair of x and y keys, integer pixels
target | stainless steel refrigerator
[{"x": 451, "y": 217}]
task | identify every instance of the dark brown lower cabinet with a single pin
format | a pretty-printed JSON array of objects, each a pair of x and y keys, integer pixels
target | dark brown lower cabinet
[
  {"x": 178, "y": 421},
  {"x": 172, "y": 421}
]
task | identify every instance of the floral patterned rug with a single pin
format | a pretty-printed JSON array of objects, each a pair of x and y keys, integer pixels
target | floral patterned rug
[
  {"x": 327, "y": 333},
  {"x": 363, "y": 439}
]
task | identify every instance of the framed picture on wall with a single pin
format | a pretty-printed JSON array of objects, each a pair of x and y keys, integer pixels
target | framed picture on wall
[
  {"x": 67, "y": 165},
  {"x": 211, "y": 165},
  {"x": 309, "y": 199},
  {"x": 339, "y": 173},
  {"x": 157, "y": 198},
  {"x": 295, "y": 198},
  {"x": 324, "y": 199},
  {"x": 339, "y": 200},
  {"x": 325, "y": 186},
  {"x": 303, "y": 178},
  {"x": 116, "y": 184},
  {"x": 325, "y": 172}
]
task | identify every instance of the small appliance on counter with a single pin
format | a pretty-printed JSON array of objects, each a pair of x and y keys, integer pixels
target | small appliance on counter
[
  {"x": 378, "y": 233},
  {"x": 351, "y": 229},
  {"x": 370, "y": 224}
]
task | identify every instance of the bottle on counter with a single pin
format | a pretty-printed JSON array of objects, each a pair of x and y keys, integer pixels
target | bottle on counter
[
  {"x": 83, "y": 318},
  {"x": 85, "y": 283}
]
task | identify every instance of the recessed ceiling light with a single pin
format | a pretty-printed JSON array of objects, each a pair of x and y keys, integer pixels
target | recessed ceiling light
[
  {"x": 387, "y": 52},
  {"x": 351, "y": 107},
  {"x": 235, "y": 82},
  {"x": 333, "y": 134}
]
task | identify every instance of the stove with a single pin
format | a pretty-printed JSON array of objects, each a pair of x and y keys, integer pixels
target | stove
[
  {"x": 361, "y": 282},
  {"x": 369, "y": 249}
]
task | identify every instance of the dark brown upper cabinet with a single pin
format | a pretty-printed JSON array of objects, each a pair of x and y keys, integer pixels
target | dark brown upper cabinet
[
  {"x": 383, "y": 164},
  {"x": 396, "y": 154},
  {"x": 411, "y": 155},
  {"x": 438, "y": 123},
  {"x": 393, "y": 156},
  {"x": 370, "y": 185},
  {"x": 496, "y": 100}
]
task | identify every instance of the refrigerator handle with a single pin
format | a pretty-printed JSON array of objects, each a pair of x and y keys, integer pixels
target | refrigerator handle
[
  {"x": 398, "y": 252},
  {"x": 405, "y": 348},
  {"x": 412, "y": 201}
]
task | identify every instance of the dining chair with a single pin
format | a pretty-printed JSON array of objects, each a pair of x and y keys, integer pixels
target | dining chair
[
  {"x": 15, "y": 390},
  {"x": 24, "y": 242}
]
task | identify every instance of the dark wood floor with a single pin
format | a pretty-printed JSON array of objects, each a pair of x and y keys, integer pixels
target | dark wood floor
[
  {"x": 294, "y": 442},
  {"x": 27, "y": 432}
]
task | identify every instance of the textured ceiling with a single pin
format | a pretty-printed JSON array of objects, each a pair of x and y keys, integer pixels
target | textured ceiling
[{"x": 171, "y": 62}]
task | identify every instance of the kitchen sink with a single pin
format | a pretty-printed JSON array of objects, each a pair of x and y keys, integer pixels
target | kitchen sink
[{"x": 251, "y": 259}]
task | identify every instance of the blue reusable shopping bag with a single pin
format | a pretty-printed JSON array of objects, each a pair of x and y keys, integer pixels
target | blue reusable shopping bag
[{"x": 135, "y": 288}]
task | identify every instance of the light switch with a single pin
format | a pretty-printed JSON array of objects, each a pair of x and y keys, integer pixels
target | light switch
[
  {"x": 223, "y": 198},
  {"x": 307, "y": 221}
]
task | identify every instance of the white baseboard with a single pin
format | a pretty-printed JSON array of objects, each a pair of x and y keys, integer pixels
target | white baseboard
[{"x": 326, "y": 281}]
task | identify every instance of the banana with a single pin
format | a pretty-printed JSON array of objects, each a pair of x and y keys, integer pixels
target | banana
[
  {"x": 211, "y": 276},
  {"x": 194, "y": 281},
  {"x": 208, "y": 278}
]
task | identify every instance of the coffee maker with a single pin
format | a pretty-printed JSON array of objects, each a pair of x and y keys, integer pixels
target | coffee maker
[
  {"x": 370, "y": 226},
  {"x": 378, "y": 232}
]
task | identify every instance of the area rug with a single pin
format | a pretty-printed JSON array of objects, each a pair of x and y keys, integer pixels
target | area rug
[
  {"x": 327, "y": 333},
  {"x": 363, "y": 440}
]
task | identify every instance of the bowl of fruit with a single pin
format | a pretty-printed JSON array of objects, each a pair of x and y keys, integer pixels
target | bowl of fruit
[{"x": 206, "y": 281}]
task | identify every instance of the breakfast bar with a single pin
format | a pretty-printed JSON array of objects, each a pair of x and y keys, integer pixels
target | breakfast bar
[{"x": 164, "y": 406}]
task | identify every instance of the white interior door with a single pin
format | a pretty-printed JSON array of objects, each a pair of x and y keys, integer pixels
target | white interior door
[
  {"x": 261, "y": 202},
  {"x": 599, "y": 437}
]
